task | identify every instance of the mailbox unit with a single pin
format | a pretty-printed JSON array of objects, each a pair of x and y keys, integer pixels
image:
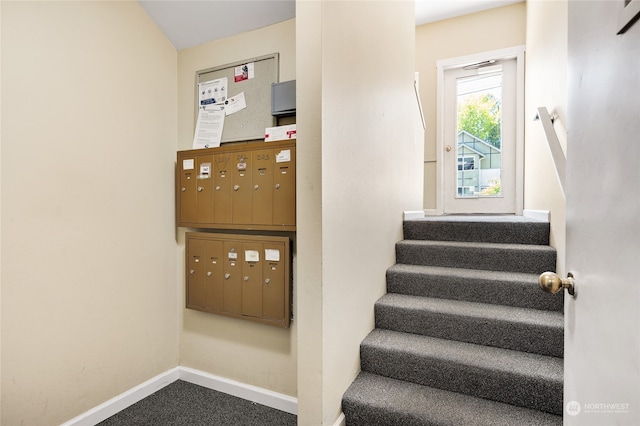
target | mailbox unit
[
  {"x": 241, "y": 276},
  {"x": 244, "y": 186}
]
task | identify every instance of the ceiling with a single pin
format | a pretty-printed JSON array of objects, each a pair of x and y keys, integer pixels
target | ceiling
[{"x": 188, "y": 23}]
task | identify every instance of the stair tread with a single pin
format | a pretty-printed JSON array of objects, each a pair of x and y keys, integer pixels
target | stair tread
[
  {"x": 512, "y": 314},
  {"x": 528, "y": 258},
  {"x": 497, "y": 229},
  {"x": 465, "y": 273},
  {"x": 373, "y": 399},
  {"x": 474, "y": 285},
  {"x": 507, "y": 361},
  {"x": 482, "y": 245}
]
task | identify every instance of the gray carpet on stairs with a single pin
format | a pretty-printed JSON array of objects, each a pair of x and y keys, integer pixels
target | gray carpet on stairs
[
  {"x": 512, "y": 377},
  {"x": 488, "y": 229},
  {"x": 529, "y": 330},
  {"x": 374, "y": 400},
  {"x": 464, "y": 335},
  {"x": 526, "y": 258},
  {"x": 491, "y": 287}
]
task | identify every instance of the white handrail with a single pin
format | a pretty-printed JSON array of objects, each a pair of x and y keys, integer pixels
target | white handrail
[{"x": 559, "y": 159}]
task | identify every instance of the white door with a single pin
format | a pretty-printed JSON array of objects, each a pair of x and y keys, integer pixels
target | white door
[
  {"x": 479, "y": 137},
  {"x": 602, "y": 324}
]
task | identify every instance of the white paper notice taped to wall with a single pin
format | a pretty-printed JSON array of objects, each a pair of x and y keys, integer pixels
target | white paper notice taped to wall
[
  {"x": 209, "y": 127},
  {"x": 280, "y": 133}
]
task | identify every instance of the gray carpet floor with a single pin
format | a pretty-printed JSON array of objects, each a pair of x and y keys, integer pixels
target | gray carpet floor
[{"x": 185, "y": 404}]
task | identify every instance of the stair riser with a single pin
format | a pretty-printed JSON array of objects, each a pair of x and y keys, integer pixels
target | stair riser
[
  {"x": 532, "y": 261},
  {"x": 524, "y": 294},
  {"x": 533, "y": 338},
  {"x": 531, "y": 392},
  {"x": 490, "y": 232}
]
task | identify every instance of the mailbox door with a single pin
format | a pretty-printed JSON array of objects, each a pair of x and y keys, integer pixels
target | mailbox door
[
  {"x": 242, "y": 189},
  {"x": 262, "y": 175},
  {"x": 187, "y": 189},
  {"x": 284, "y": 187},
  {"x": 223, "y": 184},
  {"x": 204, "y": 188},
  {"x": 214, "y": 275},
  {"x": 196, "y": 252},
  {"x": 274, "y": 282},
  {"x": 232, "y": 287},
  {"x": 252, "y": 279}
]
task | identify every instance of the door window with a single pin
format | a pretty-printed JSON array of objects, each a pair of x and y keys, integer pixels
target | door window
[{"x": 480, "y": 109}]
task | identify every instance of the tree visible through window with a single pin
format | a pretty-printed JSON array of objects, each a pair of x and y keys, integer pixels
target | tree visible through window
[{"x": 479, "y": 114}]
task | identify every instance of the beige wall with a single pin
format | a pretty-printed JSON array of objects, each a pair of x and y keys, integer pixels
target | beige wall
[
  {"x": 89, "y": 304},
  {"x": 466, "y": 35},
  {"x": 252, "y": 353},
  {"x": 357, "y": 117},
  {"x": 308, "y": 296},
  {"x": 546, "y": 86}
]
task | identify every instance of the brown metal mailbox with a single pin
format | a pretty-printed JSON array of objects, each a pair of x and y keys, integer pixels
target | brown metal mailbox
[
  {"x": 244, "y": 186},
  {"x": 241, "y": 276}
]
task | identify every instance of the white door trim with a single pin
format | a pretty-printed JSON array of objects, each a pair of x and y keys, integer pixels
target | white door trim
[{"x": 442, "y": 65}]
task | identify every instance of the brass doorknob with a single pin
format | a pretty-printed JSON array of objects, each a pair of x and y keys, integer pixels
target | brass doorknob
[
  {"x": 552, "y": 283},
  {"x": 448, "y": 148}
]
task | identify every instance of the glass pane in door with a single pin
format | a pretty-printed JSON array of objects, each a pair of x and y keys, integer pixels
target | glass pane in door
[{"x": 479, "y": 137}]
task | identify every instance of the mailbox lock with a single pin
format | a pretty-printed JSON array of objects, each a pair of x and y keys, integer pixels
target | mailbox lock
[
  {"x": 183, "y": 189},
  {"x": 192, "y": 272},
  {"x": 255, "y": 187},
  {"x": 267, "y": 281},
  {"x": 236, "y": 187},
  {"x": 277, "y": 186},
  {"x": 199, "y": 189},
  {"x": 209, "y": 274},
  {"x": 217, "y": 188},
  {"x": 246, "y": 279},
  {"x": 227, "y": 276}
]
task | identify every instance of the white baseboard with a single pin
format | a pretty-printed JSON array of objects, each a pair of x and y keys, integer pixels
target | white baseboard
[
  {"x": 341, "y": 421},
  {"x": 124, "y": 400},
  {"x": 542, "y": 215},
  {"x": 261, "y": 396},
  {"x": 413, "y": 214},
  {"x": 255, "y": 394}
]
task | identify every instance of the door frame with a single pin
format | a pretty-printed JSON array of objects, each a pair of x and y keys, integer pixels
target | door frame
[{"x": 516, "y": 52}]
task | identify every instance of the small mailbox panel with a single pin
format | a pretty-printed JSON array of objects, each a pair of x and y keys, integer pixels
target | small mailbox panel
[{"x": 242, "y": 276}]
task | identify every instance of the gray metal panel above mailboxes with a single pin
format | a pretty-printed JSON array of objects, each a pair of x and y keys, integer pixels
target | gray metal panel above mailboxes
[{"x": 283, "y": 99}]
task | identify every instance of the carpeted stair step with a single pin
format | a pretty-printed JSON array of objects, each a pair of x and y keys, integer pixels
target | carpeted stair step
[
  {"x": 494, "y": 287},
  {"x": 488, "y": 229},
  {"x": 375, "y": 400},
  {"x": 533, "y": 259},
  {"x": 508, "y": 327},
  {"x": 517, "y": 378}
]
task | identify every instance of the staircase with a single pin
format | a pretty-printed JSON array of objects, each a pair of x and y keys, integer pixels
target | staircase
[{"x": 464, "y": 335}]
